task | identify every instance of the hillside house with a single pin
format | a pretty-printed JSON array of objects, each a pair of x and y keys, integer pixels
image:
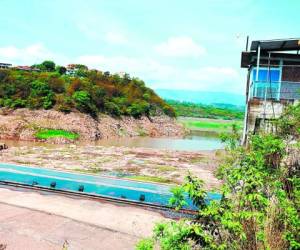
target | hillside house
[
  {"x": 26, "y": 68},
  {"x": 5, "y": 65},
  {"x": 71, "y": 69},
  {"x": 273, "y": 81}
]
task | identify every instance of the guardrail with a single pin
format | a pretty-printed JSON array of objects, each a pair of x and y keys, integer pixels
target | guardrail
[{"x": 100, "y": 198}]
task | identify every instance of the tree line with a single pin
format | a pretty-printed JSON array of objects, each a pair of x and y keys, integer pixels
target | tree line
[
  {"x": 217, "y": 111},
  {"x": 88, "y": 91}
]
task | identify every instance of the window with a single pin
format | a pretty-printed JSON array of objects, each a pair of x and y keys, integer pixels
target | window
[
  {"x": 268, "y": 83},
  {"x": 264, "y": 75}
]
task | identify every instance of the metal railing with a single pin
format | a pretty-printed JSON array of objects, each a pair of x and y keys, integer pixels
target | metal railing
[{"x": 282, "y": 90}]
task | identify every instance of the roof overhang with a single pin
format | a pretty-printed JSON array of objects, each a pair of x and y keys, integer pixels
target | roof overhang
[
  {"x": 276, "y": 45},
  {"x": 249, "y": 58}
]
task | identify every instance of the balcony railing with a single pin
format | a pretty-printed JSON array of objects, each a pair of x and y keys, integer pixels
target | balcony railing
[{"x": 275, "y": 90}]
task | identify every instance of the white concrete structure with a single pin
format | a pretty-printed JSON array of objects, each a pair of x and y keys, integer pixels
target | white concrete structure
[{"x": 5, "y": 65}]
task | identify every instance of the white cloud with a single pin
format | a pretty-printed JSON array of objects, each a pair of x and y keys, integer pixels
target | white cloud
[
  {"x": 214, "y": 79},
  {"x": 143, "y": 68},
  {"x": 158, "y": 75},
  {"x": 180, "y": 47},
  {"x": 115, "y": 37},
  {"x": 155, "y": 73},
  {"x": 32, "y": 54},
  {"x": 212, "y": 74},
  {"x": 221, "y": 79}
]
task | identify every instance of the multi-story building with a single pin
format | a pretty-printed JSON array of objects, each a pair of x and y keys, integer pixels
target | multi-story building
[
  {"x": 5, "y": 65},
  {"x": 273, "y": 81}
]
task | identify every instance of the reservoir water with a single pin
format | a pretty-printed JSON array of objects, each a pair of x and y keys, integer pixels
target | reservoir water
[
  {"x": 193, "y": 142},
  {"x": 196, "y": 141}
]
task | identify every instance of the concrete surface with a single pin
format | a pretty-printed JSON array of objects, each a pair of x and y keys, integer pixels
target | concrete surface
[{"x": 32, "y": 220}]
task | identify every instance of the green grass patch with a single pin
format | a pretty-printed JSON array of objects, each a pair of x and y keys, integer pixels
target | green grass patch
[
  {"x": 210, "y": 125},
  {"x": 165, "y": 168},
  {"x": 150, "y": 178},
  {"x": 52, "y": 133},
  {"x": 198, "y": 159}
]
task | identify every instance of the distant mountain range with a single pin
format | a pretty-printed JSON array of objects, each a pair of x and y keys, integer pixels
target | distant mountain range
[{"x": 209, "y": 98}]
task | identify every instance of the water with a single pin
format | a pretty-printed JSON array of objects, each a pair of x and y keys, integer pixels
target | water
[
  {"x": 195, "y": 141},
  {"x": 101, "y": 186}
]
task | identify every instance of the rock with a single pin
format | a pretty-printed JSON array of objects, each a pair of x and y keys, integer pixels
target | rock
[
  {"x": 3, "y": 146},
  {"x": 23, "y": 123},
  {"x": 59, "y": 140}
]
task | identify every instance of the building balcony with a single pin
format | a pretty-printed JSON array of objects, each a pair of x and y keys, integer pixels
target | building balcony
[{"x": 282, "y": 90}]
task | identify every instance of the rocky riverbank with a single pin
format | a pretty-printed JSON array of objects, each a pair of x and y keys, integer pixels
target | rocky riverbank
[{"x": 23, "y": 124}]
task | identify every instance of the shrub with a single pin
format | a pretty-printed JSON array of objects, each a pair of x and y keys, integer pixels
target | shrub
[
  {"x": 258, "y": 210},
  {"x": 112, "y": 108},
  {"x": 145, "y": 244},
  {"x": 63, "y": 103},
  {"x": 138, "y": 108},
  {"x": 168, "y": 110},
  {"x": 57, "y": 85},
  {"x": 83, "y": 102},
  {"x": 18, "y": 103},
  {"x": 40, "y": 95}
]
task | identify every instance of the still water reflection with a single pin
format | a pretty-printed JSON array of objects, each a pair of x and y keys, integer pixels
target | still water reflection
[{"x": 192, "y": 142}]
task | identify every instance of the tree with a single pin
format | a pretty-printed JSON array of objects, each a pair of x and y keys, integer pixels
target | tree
[
  {"x": 106, "y": 74},
  {"x": 81, "y": 73},
  {"x": 40, "y": 95},
  {"x": 81, "y": 67},
  {"x": 48, "y": 65},
  {"x": 112, "y": 108},
  {"x": 138, "y": 108},
  {"x": 56, "y": 84},
  {"x": 61, "y": 70},
  {"x": 83, "y": 102},
  {"x": 98, "y": 96},
  {"x": 96, "y": 92},
  {"x": 126, "y": 79}
]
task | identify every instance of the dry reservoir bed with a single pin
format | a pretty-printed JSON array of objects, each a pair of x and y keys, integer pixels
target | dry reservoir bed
[{"x": 143, "y": 164}]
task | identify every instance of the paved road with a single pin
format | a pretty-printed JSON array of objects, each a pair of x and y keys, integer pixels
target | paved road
[
  {"x": 35, "y": 221},
  {"x": 22, "y": 228}
]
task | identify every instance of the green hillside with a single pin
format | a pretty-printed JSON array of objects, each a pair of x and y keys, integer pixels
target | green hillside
[
  {"x": 217, "y": 111},
  {"x": 88, "y": 91}
]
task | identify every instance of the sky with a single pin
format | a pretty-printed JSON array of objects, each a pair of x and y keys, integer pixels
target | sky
[{"x": 170, "y": 44}]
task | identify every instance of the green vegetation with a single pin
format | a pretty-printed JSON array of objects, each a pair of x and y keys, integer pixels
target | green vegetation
[
  {"x": 144, "y": 244},
  {"x": 210, "y": 125},
  {"x": 259, "y": 208},
  {"x": 45, "y": 134},
  {"x": 188, "y": 109},
  {"x": 165, "y": 168},
  {"x": 88, "y": 91},
  {"x": 150, "y": 178}
]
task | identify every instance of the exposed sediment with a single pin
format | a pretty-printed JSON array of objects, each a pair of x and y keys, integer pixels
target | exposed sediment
[
  {"x": 164, "y": 166},
  {"x": 22, "y": 124}
]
